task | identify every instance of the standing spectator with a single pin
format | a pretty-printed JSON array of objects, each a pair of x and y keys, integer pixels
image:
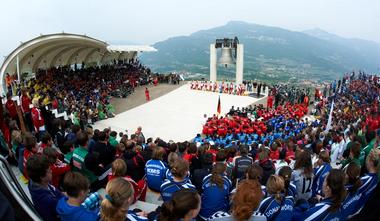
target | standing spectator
[
  {"x": 241, "y": 162},
  {"x": 302, "y": 175},
  {"x": 25, "y": 107},
  {"x": 11, "y": 108},
  {"x": 38, "y": 120}
]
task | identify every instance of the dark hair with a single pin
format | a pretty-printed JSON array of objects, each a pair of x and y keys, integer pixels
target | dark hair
[
  {"x": 324, "y": 156},
  {"x": 216, "y": 174},
  {"x": 355, "y": 149},
  {"x": 353, "y": 176},
  {"x": 335, "y": 180},
  {"x": 286, "y": 174},
  {"x": 46, "y": 138},
  {"x": 67, "y": 146},
  {"x": 243, "y": 149},
  {"x": 221, "y": 156},
  {"x": 102, "y": 136},
  {"x": 37, "y": 167},
  {"x": 74, "y": 183},
  {"x": 282, "y": 155},
  {"x": 75, "y": 128},
  {"x": 129, "y": 145},
  {"x": 207, "y": 159},
  {"x": 180, "y": 204},
  {"x": 254, "y": 172},
  {"x": 303, "y": 161},
  {"x": 158, "y": 153},
  {"x": 82, "y": 139},
  {"x": 113, "y": 134}
]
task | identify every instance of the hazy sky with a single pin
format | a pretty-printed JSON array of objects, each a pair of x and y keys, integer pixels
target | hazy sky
[{"x": 147, "y": 22}]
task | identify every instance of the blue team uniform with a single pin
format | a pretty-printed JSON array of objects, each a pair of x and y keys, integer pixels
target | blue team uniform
[
  {"x": 354, "y": 202},
  {"x": 274, "y": 210},
  {"x": 155, "y": 171},
  {"x": 320, "y": 212},
  {"x": 132, "y": 216},
  {"x": 214, "y": 199},
  {"x": 320, "y": 174},
  {"x": 170, "y": 186}
]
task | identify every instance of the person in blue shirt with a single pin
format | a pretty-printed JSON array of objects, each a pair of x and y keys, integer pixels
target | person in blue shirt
[
  {"x": 179, "y": 180},
  {"x": 44, "y": 196},
  {"x": 155, "y": 169},
  {"x": 360, "y": 188},
  {"x": 276, "y": 206},
  {"x": 286, "y": 174},
  {"x": 216, "y": 188},
  {"x": 322, "y": 167},
  {"x": 116, "y": 202},
  {"x": 70, "y": 208},
  {"x": 329, "y": 208},
  {"x": 184, "y": 205},
  {"x": 244, "y": 203}
]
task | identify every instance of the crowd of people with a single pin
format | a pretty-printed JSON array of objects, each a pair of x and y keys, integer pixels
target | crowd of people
[
  {"x": 230, "y": 87},
  {"x": 255, "y": 163}
]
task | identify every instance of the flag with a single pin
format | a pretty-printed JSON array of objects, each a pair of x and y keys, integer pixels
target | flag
[
  {"x": 219, "y": 109},
  {"x": 329, "y": 122}
]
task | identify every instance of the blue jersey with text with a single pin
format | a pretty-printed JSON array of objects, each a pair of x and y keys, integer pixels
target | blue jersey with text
[
  {"x": 155, "y": 171},
  {"x": 275, "y": 210}
]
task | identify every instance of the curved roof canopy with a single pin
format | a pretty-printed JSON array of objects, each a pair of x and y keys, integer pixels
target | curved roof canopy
[{"x": 53, "y": 50}]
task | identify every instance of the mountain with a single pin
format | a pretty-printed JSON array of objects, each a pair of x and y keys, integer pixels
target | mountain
[{"x": 270, "y": 53}]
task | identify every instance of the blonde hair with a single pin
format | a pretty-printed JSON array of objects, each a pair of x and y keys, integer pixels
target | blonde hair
[
  {"x": 119, "y": 168},
  {"x": 115, "y": 205},
  {"x": 275, "y": 186}
]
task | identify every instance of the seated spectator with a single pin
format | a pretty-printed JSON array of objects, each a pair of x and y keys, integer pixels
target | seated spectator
[
  {"x": 178, "y": 181},
  {"x": 286, "y": 174},
  {"x": 68, "y": 150},
  {"x": 155, "y": 169},
  {"x": 135, "y": 162},
  {"x": 44, "y": 196},
  {"x": 120, "y": 149},
  {"x": 244, "y": 204},
  {"x": 276, "y": 206},
  {"x": 70, "y": 207},
  {"x": 104, "y": 150},
  {"x": 58, "y": 168},
  {"x": 281, "y": 162},
  {"x": 321, "y": 169},
  {"x": 46, "y": 141},
  {"x": 79, "y": 158},
  {"x": 302, "y": 175},
  {"x": 354, "y": 155},
  {"x": 118, "y": 198},
  {"x": 119, "y": 169},
  {"x": 30, "y": 144},
  {"x": 184, "y": 205},
  {"x": 330, "y": 207},
  {"x": 241, "y": 162},
  {"x": 266, "y": 164},
  {"x": 216, "y": 189},
  {"x": 112, "y": 139},
  {"x": 360, "y": 189},
  {"x": 199, "y": 174}
]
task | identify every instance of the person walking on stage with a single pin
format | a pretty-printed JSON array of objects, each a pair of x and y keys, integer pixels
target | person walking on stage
[{"x": 147, "y": 97}]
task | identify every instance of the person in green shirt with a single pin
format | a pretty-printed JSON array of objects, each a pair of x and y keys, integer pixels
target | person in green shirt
[
  {"x": 354, "y": 155},
  {"x": 374, "y": 143},
  {"x": 79, "y": 156},
  {"x": 112, "y": 139}
]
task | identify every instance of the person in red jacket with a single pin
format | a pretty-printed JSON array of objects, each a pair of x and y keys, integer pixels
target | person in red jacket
[
  {"x": 30, "y": 145},
  {"x": 11, "y": 107},
  {"x": 270, "y": 102},
  {"x": 147, "y": 97},
  {"x": 38, "y": 120},
  {"x": 58, "y": 168},
  {"x": 25, "y": 107}
]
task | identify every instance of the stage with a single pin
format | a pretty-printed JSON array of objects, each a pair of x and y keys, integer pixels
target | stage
[{"x": 177, "y": 115}]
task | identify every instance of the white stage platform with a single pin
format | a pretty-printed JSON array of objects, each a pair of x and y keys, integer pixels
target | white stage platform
[{"x": 176, "y": 116}]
